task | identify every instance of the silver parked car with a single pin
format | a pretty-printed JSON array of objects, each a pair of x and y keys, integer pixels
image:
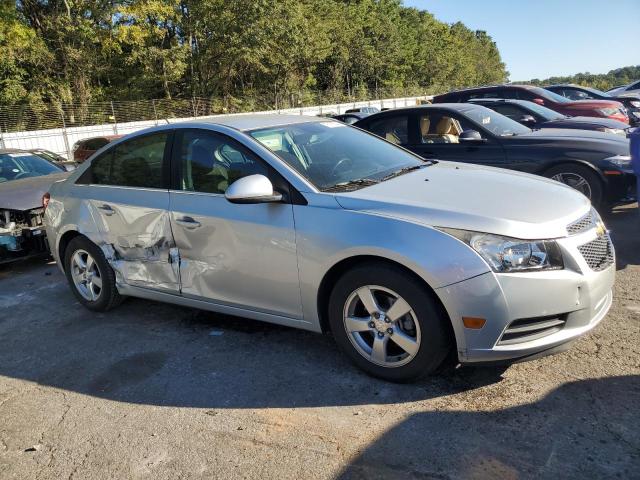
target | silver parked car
[{"x": 310, "y": 223}]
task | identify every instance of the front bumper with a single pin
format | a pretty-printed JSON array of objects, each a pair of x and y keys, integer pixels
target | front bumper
[
  {"x": 572, "y": 301},
  {"x": 22, "y": 243}
]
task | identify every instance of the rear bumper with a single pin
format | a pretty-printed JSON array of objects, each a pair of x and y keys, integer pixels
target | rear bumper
[{"x": 576, "y": 299}]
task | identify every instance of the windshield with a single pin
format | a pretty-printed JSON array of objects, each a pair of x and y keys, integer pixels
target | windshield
[
  {"x": 548, "y": 94},
  {"x": 52, "y": 157},
  {"x": 544, "y": 112},
  {"x": 331, "y": 154},
  {"x": 14, "y": 166},
  {"x": 495, "y": 122},
  {"x": 595, "y": 91}
]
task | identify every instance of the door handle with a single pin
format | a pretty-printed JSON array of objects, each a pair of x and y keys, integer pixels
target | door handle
[
  {"x": 106, "y": 209},
  {"x": 188, "y": 222}
]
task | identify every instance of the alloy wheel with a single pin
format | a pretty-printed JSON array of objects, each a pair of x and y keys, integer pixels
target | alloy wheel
[
  {"x": 575, "y": 181},
  {"x": 382, "y": 326},
  {"x": 86, "y": 275}
]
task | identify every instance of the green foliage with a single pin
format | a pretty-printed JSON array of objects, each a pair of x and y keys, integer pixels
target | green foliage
[
  {"x": 605, "y": 81},
  {"x": 245, "y": 53}
]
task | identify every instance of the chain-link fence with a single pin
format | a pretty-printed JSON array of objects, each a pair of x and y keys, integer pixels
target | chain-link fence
[{"x": 57, "y": 127}]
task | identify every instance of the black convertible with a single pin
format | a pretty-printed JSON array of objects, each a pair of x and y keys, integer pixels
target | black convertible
[{"x": 597, "y": 164}]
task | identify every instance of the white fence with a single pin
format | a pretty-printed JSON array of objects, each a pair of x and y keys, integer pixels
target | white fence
[{"x": 61, "y": 140}]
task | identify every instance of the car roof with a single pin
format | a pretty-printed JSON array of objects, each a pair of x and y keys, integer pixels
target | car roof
[
  {"x": 255, "y": 121},
  {"x": 458, "y": 107},
  {"x": 108, "y": 137},
  {"x": 486, "y": 87}
]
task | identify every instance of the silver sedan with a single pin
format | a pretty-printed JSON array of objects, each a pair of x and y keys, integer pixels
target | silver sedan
[{"x": 307, "y": 222}]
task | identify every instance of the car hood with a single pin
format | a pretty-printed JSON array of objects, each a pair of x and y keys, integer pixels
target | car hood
[
  {"x": 602, "y": 122},
  {"x": 626, "y": 96},
  {"x": 573, "y": 140},
  {"x": 470, "y": 197},
  {"x": 26, "y": 193},
  {"x": 592, "y": 104}
]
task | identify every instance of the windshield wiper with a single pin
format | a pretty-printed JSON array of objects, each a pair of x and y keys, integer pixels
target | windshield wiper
[
  {"x": 351, "y": 185},
  {"x": 404, "y": 170}
]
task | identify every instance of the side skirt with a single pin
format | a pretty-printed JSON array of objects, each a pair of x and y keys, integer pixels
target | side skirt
[{"x": 214, "y": 307}]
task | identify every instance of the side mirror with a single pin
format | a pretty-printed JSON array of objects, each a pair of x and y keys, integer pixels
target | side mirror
[
  {"x": 528, "y": 120},
  {"x": 539, "y": 101},
  {"x": 471, "y": 136},
  {"x": 252, "y": 189}
]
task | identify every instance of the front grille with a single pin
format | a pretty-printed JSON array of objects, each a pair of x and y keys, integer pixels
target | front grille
[
  {"x": 527, "y": 329},
  {"x": 598, "y": 253},
  {"x": 582, "y": 225}
]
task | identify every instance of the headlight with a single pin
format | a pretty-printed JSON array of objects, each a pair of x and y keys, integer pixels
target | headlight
[
  {"x": 621, "y": 161},
  {"x": 615, "y": 131},
  {"x": 635, "y": 103},
  {"x": 505, "y": 254}
]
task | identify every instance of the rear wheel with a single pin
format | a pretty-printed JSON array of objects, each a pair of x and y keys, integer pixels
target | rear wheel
[
  {"x": 388, "y": 323},
  {"x": 580, "y": 178},
  {"x": 90, "y": 277}
]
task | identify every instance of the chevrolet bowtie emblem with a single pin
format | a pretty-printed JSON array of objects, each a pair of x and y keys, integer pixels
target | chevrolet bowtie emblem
[{"x": 600, "y": 229}]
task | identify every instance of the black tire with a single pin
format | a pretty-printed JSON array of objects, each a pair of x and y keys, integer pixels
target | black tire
[
  {"x": 108, "y": 297},
  {"x": 433, "y": 322},
  {"x": 572, "y": 170}
]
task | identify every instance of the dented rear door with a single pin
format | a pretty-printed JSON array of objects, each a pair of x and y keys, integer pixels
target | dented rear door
[{"x": 129, "y": 202}]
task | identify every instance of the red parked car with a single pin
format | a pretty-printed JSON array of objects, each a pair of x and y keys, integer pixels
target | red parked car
[
  {"x": 580, "y": 108},
  {"x": 84, "y": 148}
]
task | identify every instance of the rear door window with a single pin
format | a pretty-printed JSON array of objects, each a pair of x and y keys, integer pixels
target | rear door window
[{"x": 134, "y": 163}]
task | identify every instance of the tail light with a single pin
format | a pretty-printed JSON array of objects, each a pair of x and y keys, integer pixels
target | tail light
[{"x": 45, "y": 200}]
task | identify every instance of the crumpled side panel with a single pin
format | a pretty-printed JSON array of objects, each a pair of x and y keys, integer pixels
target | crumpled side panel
[{"x": 138, "y": 244}]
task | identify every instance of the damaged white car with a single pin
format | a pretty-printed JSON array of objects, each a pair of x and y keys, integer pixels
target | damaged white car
[{"x": 24, "y": 179}]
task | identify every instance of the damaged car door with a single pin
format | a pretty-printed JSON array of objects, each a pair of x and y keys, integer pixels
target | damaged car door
[
  {"x": 241, "y": 255},
  {"x": 129, "y": 203}
]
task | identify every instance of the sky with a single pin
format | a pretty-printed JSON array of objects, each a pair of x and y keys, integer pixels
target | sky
[{"x": 544, "y": 38}]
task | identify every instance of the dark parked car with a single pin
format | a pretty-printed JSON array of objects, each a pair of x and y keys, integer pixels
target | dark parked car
[
  {"x": 632, "y": 88},
  {"x": 350, "y": 118},
  {"x": 533, "y": 115},
  {"x": 367, "y": 110},
  {"x": 597, "y": 164},
  {"x": 24, "y": 180},
  {"x": 583, "y": 108},
  {"x": 576, "y": 92},
  {"x": 86, "y": 147}
]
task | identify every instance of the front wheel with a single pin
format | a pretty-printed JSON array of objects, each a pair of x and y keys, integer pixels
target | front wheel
[
  {"x": 580, "y": 178},
  {"x": 388, "y": 323}
]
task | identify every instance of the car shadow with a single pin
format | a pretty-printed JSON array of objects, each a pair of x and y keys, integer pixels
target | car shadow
[{"x": 576, "y": 431}]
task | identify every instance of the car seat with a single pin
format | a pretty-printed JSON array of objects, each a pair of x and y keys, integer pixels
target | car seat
[{"x": 207, "y": 174}]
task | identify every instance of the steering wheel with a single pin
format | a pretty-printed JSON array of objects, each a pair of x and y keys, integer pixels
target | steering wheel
[{"x": 343, "y": 163}]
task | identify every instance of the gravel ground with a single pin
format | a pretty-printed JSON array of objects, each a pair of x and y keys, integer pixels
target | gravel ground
[{"x": 156, "y": 391}]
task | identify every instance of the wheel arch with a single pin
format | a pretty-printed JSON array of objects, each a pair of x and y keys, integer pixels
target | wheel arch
[
  {"x": 576, "y": 162},
  {"x": 341, "y": 267},
  {"x": 64, "y": 241}
]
